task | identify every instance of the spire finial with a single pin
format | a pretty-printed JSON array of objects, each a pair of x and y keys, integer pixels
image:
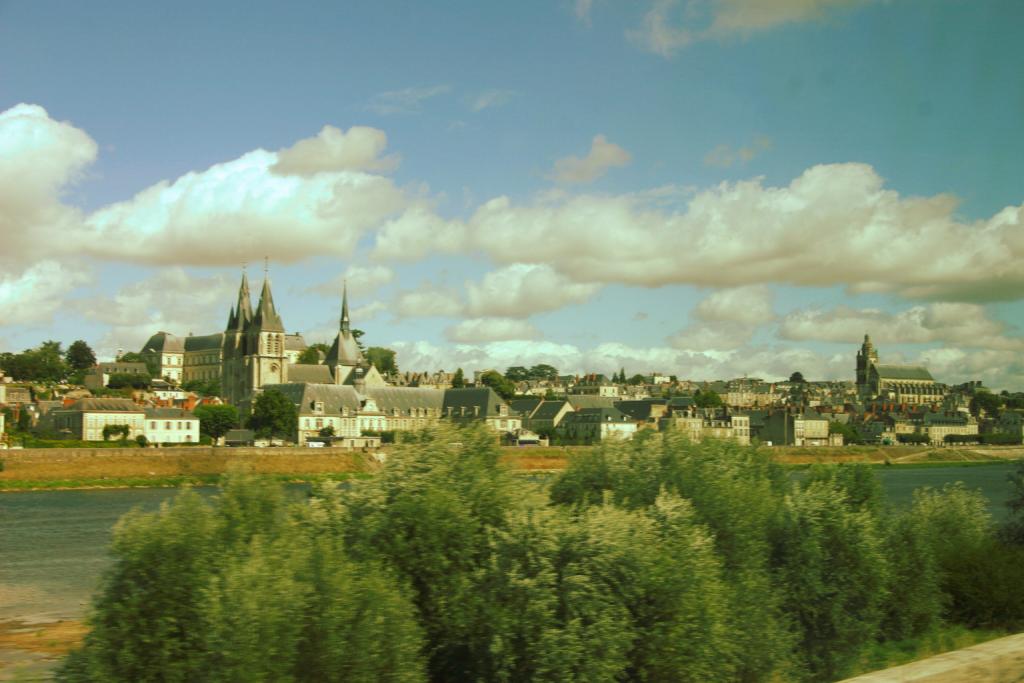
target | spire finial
[
  {"x": 266, "y": 265},
  {"x": 344, "y": 305}
]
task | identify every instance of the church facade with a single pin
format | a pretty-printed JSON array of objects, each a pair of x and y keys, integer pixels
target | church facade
[
  {"x": 905, "y": 384},
  {"x": 255, "y": 351}
]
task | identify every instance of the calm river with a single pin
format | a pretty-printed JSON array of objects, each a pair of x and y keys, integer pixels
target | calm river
[{"x": 53, "y": 543}]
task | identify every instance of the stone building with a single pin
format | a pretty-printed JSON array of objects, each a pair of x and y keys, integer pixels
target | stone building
[{"x": 902, "y": 384}]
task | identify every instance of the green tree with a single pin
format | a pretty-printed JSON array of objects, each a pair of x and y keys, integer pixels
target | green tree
[
  {"x": 797, "y": 378},
  {"x": 383, "y": 359},
  {"x": 121, "y": 380},
  {"x": 707, "y": 399},
  {"x": 203, "y": 387},
  {"x": 44, "y": 363},
  {"x": 985, "y": 401},
  {"x": 501, "y": 385},
  {"x": 79, "y": 356},
  {"x": 458, "y": 380},
  {"x": 313, "y": 354},
  {"x": 152, "y": 361},
  {"x": 850, "y": 434},
  {"x": 273, "y": 415},
  {"x": 543, "y": 371},
  {"x": 517, "y": 373},
  {"x": 216, "y": 420},
  {"x": 113, "y": 430},
  {"x": 637, "y": 379}
]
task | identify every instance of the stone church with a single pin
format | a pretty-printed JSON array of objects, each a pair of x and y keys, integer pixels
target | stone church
[
  {"x": 909, "y": 384},
  {"x": 254, "y": 351}
]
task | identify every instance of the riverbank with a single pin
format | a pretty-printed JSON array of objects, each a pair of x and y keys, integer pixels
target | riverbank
[{"x": 75, "y": 468}]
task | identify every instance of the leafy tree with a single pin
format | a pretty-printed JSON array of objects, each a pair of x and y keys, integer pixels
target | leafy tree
[
  {"x": 79, "y": 356},
  {"x": 120, "y": 380},
  {"x": 797, "y": 378},
  {"x": 707, "y": 399},
  {"x": 850, "y": 434},
  {"x": 313, "y": 354},
  {"x": 501, "y": 385},
  {"x": 985, "y": 401},
  {"x": 273, "y": 415},
  {"x": 203, "y": 387},
  {"x": 44, "y": 363},
  {"x": 543, "y": 371},
  {"x": 141, "y": 440},
  {"x": 216, "y": 420},
  {"x": 458, "y": 380},
  {"x": 112, "y": 430},
  {"x": 383, "y": 359},
  {"x": 517, "y": 373},
  {"x": 637, "y": 380},
  {"x": 327, "y": 431}
]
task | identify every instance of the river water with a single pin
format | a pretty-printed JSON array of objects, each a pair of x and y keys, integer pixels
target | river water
[{"x": 53, "y": 544}]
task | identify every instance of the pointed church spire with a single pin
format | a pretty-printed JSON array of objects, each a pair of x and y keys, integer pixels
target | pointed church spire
[
  {"x": 267, "y": 318},
  {"x": 345, "y": 322},
  {"x": 243, "y": 310}
]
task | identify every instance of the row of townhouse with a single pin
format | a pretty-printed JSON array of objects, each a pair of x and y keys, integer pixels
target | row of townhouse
[{"x": 86, "y": 418}]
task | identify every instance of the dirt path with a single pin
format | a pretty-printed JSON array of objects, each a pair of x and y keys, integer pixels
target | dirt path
[{"x": 30, "y": 652}]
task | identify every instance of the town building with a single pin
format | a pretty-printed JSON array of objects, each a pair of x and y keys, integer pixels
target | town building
[
  {"x": 593, "y": 425},
  {"x": 904, "y": 384},
  {"x": 699, "y": 424}
]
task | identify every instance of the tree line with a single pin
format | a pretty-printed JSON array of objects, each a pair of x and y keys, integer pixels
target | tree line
[{"x": 655, "y": 560}]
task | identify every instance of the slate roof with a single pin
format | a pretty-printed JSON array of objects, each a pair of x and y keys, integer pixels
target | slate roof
[
  {"x": 204, "y": 342},
  {"x": 548, "y": 410},
  {"x": 582, "y": 401},
  {"x": 267, "y": 318},
  {"x": 639, "y": 410},
  {"x": 106, "y": 405},
  {"x": 406, "y": 398},
  {"x": 483, "y": 398},
  {"x": 333, "y": 396},
  {"x": 301, "y": 373},
  {"x": 294, "y": 342},
  {"x": 597, "y": 415},
  {"x": 164, "y": 342},
  {"x": 524, "y": 406},
  {"x": 910, "y": 373}
]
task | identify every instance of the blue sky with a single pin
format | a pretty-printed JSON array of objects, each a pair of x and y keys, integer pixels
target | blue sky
[{"x": 708, "y": 188}]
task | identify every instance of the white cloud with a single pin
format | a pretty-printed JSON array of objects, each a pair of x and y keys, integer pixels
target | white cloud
[
  {"x": 522, "y": 289},
  {"x": 711, "y": 337},
  {"x": 34, "y": 296},
  {"x": 725, "y": 156},
  {"x": 241, "y": 210},
  {"x": 406, "y": 100},
  {"x": 172, "y": 300},
  {"x": 671, "y": 25},
  {"x": 360, "y": 280},
  {"x": 477, "y": 330},
  {"x": 750, "y": 305},
  {"x": 603, "y": 156},
  {"x": 368, "y": 312},
  {"x": 833, "y": 225},
  {"x": 491, "y": 98},
  {"x": 581, "y": 9},
  {"x": 428, "y": 302},
  {"x": 39, "y": 158},
  {"x": 417, "y": 232},
  {"x": 358, "y": 149},
  {"x": 956, "y": 324}
]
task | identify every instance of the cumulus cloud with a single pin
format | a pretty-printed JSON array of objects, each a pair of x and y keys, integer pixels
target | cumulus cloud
[
  {"x": 477, "y": 330},
  {"x": 39, "y": 158},
  {"x": 522, "y": 289},
  {"x": 725, "y": 156},
  {"x": 428, "y": 302},
  {"x": 172, "y": 300},
  {"x": 360, "y": 280},
  {"x": 242, "y": 210},
  {"x": 358, "y": 149},
  {"x": 34, "y": 296},
  {"x": 750, "y": 305},
  {"x": 603, "y": 156},
  {"x": 834, "y": 224},
  {"x": 405, "y": 101},
  {"x": 581, "y": 9},
  {"x": 957, "y": 324},
  {"x": 490, "y": 98},
  {"x": 671, "y": 25}
]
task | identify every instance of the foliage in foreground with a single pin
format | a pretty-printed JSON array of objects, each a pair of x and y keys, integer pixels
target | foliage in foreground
[{"x": 654, "y": 560}]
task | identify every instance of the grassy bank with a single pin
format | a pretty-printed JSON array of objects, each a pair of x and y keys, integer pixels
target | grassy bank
[{"x": 170, "y": 467}]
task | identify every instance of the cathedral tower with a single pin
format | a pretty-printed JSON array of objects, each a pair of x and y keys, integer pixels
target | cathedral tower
[
  {"x": 866, "y": 357},
  {"x": 344, "y": 355}
]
